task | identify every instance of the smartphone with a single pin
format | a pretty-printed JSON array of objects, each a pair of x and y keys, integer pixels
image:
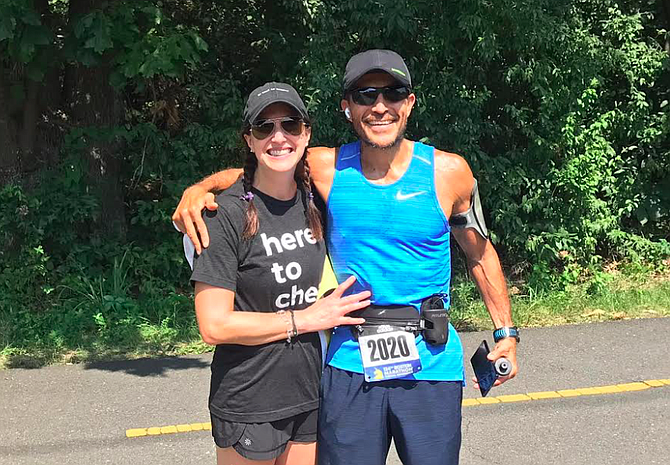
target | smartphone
[{"x": 484, "y": 369}]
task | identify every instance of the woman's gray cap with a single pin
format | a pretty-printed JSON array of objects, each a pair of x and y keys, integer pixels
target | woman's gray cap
[
  {"x": 269, "y": 93},
  {"x": 376, "y": 60}
]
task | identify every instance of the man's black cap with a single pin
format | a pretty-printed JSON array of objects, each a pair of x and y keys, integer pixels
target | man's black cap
[
  {"x": 269, "y": 93},
  {"x": 376, "y": 60}
]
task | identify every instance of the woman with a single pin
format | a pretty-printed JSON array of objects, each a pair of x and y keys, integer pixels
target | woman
[{"x": 255, "y": 293}]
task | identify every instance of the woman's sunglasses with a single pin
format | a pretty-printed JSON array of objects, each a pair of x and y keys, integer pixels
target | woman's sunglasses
[
  {"x": 262, "y": 129},
  {"x": 368, "y": 95}
]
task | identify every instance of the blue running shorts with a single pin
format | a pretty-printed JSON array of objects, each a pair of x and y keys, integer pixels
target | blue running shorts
[{"x": 358, "y": 419}]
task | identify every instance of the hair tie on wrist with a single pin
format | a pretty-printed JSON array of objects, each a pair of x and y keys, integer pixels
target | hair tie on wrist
[{"x": 248, "y": 196}]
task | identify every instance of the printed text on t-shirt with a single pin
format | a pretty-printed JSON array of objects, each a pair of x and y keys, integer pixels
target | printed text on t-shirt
[{"x": 291, "y": 271}]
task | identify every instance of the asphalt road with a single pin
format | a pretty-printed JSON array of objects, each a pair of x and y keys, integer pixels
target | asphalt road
[{"x": 79, "y": 414}]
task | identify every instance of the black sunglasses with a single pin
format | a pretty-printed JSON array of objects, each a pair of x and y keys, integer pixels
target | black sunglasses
[
  {"x": 262, "y": 129},
  {"x": 368, "y": 95}
]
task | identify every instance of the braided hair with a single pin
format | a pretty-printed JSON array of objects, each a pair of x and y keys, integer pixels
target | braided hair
[
  {"x": 251, "y": 219},
  {"x": 312, "y": 213}
]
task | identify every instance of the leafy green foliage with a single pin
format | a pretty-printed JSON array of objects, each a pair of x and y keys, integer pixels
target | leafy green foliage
[
  {"x": 560, "y": 107},
  {"x": 24, "y": 38},
  {"x": 557, "y": 106}
]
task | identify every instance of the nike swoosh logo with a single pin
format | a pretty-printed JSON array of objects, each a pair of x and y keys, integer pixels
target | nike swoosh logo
[{"x": 401, "y": 196}]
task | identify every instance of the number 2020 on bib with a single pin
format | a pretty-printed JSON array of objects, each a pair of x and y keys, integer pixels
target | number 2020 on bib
[{"x": 389, "y": 355}]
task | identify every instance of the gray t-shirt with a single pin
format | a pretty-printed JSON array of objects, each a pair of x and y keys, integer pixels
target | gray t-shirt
[{"x": 279, "y": 268}]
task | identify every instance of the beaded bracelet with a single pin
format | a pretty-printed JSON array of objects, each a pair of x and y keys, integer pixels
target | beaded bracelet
[
  {"x": 291, "y": 329},
  {"x": 295, "y": 328}
]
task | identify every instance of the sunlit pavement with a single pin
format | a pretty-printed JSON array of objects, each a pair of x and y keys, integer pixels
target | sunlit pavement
[{"x": 586, "y": 394}]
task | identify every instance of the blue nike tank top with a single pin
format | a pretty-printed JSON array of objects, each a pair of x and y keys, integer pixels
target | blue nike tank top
[{"x": 395, "y": 239}]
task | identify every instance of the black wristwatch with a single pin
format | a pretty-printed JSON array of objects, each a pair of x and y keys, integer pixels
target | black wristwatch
[{"x": 506, "y": 331}]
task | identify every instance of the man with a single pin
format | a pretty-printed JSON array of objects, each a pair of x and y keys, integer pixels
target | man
[{"x": 392, "y": 204}]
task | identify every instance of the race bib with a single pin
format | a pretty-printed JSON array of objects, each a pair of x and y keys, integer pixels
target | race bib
[{"x": 389, "y": 355}]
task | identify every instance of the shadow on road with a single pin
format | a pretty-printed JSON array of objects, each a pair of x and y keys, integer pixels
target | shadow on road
[{"x": 149, "y": 366}]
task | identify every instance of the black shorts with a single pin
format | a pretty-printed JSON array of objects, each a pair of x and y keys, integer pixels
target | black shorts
[{"x": 264, "y": 441}]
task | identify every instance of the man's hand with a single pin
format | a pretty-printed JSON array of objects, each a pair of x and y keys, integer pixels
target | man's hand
[
  {"x": 188, "y": 215},
  {"x": 504, "y": 348}
]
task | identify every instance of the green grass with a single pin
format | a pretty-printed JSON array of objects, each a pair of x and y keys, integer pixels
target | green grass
[
  {"x": 43, "y": 355},
  {"x": 618, "y": 299},
  {"x": 615, "y": 297}
]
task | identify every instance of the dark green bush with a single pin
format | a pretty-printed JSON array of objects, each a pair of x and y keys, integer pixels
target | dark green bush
[{"x": 560, "y": 107}]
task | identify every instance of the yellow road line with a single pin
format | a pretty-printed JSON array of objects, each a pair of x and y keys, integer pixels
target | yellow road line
[
  {"x": 514, "y": 398},
  {"x": 578, "y": 392},
  {"x": 569, "y": 393},
  {"x": 170, "y": 429},
  {"x": 469, "y": 402},
  {"x": 544, "y": 395}
]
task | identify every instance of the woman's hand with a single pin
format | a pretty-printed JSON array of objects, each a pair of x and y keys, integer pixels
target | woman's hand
[
  {"x": 332, "y": 310},
  {"x": 188, "y": 215}
]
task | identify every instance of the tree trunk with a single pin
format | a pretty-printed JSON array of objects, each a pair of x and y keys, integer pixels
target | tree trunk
[
  {"x": 92, "y": 103},
  {"x": 666, "y": 8},
  {"x": 33, "y": 106},
  {"x": 31, "y": 110},
  {"x": 8, "y": 147},
  {"x": 50, "y": 127}
]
